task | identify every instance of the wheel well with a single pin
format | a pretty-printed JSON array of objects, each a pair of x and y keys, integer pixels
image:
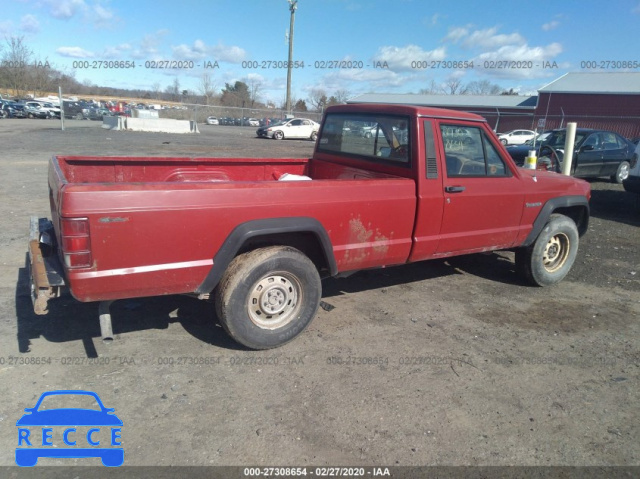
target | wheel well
[
  {"x": 578, "y": 214},
  {"x": 306, "y": 242}
]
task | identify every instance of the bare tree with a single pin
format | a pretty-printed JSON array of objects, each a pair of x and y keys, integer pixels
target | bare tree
[
  {"x": 318, "y": 99},
  {"x": 453, "y": 86},
  {"x": 255, "y": 85},
  {"x": 41, "y": 76},
  {"x": 434, "y": 89},
  {"x": 342, "y": 96},
  {"x": 156, "y": 90},
  {"x": 207, "y": 87},
  {"x": 173, "y": 90},
  {"x": 15, "y": 61},
  {"x": 484, "y": 87}
]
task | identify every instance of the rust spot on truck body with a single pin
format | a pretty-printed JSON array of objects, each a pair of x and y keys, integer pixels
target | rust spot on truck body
[{"x": 364, "y": 243}]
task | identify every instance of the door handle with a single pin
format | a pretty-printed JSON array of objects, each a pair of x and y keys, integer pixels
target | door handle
[{"x": 454, "y": 189}]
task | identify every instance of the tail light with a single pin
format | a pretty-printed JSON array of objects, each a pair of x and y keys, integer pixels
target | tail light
[{"x": 76, "y": 243}]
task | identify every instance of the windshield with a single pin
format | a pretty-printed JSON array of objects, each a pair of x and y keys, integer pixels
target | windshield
[{"x": 557, "y": 139}]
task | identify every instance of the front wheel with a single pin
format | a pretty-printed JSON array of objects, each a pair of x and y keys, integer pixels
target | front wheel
[
  {"x": 550, "y": 258},
  {"x": 268, "y": 296},
  {"x": 278, "y": 135},
  {"x": 622, "y": 173},
  {"x": 314, "y": 136}
]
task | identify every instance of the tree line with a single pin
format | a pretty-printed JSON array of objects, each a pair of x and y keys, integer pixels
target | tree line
[{"x": 22, "y": 72}]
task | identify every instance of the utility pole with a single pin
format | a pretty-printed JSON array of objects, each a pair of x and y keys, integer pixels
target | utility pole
[{"x": 293, "y": 5}]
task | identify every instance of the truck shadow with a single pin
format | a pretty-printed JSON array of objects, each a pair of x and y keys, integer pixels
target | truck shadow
[
  {"x": 496, "y": 267},
  {"x": 615, "y": 205},
  {"x": 71, "y": 320}
]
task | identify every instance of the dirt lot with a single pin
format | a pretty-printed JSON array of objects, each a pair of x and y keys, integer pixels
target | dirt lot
[{"x": 453, "y": 362}]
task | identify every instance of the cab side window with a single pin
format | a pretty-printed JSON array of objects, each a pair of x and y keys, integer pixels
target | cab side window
[{"x": 468, "y": 152}]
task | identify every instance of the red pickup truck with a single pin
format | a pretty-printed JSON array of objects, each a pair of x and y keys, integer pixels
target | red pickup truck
[{"x": 387, "y": 185}]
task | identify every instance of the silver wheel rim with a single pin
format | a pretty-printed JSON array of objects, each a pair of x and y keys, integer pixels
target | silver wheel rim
[
  {"x": 274, "y": 300},
  {"x": 624, "y": 172},
  {"x": 556, "y": 252}
]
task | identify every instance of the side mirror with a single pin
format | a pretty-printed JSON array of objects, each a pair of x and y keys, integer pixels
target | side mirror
[{"x": 587, "y": 148}]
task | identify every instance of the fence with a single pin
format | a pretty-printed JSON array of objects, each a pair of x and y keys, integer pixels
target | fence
[
  {"x": 627, "y": 126},
  {"x": 232, "y": 115}
]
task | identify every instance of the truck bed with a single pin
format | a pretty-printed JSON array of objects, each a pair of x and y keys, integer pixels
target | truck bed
[
  {"x": 160, "y": 221},
  {"x": 85, "y": 169}
]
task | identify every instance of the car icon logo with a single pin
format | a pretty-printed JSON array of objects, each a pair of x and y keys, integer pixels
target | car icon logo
[{"x": 65, "y": 432}]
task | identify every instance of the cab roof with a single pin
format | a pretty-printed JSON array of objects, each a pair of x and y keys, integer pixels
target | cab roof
[{"x": 411, "y": 110}]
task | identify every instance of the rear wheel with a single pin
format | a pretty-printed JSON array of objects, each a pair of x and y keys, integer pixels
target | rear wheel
[
  {"x": 550, "y": 258},
  {"x": 79, "y": 116},
  {"x": 268, "y": 296},
  {"x": 622, "y": 173}
]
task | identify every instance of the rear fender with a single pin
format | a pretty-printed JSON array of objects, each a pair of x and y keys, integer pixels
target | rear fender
[{"x": 254, "y": 230}]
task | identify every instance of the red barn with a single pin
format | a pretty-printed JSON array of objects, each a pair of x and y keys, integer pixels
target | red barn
[{"x": 604, "y": 100}]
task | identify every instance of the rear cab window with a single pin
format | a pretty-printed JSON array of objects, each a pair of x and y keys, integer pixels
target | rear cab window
[{"x": 376, "y": 138}]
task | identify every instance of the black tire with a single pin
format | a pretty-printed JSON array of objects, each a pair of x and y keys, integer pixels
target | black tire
[
  {"x": 268, "y": 296},
  {"x": 314, "y": 136},
  {"x": 278, "y": 135},
  {"x": 622, "y": 173},
  {"x": 503, "y": 141},
  {"x": 548, "y": 260},
  {"x": 79, "y": 116}
]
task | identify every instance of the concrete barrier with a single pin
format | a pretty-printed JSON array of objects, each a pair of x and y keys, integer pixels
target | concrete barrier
[
  {"x": 135, "y": 113},
  {"x": 113, "y": 122},
  {"x": 162, "y": 125}
]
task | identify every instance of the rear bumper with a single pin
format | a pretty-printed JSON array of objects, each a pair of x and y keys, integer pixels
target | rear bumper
[
  {"x": 46, "y": 272},
  {"x": 632, "y": 184}
]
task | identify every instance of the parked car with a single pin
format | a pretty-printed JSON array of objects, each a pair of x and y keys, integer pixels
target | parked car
[
  {"x": 13, "y": 109},
  {"x": 632, "y": 182},
  {"x": 54, "y": 111},
  {"x": 73, "y": 109},
  {"x": 50, "y": 110},
  {"x": 95, "y": 113},
  {"x": 516, "y": 137},
  {"x": 212, "y": 120},
  {"x": 294, "y": 128},
  {"x": 252, "y": 122},
  {"x": 519, "y": 152},
  {"x": 596, "y": 153},
  {"x": 35, "y": 110}
]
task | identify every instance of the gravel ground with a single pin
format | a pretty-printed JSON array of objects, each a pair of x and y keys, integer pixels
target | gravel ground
[{"x": 452, "y": 362}]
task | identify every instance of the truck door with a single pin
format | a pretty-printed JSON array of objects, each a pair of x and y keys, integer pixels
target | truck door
[
  {"x": 426, "y": 232},
  {"x": 483, "y": 197}
]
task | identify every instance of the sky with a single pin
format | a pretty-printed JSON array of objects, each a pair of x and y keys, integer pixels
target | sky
[{"x": 348, "y": 46}]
